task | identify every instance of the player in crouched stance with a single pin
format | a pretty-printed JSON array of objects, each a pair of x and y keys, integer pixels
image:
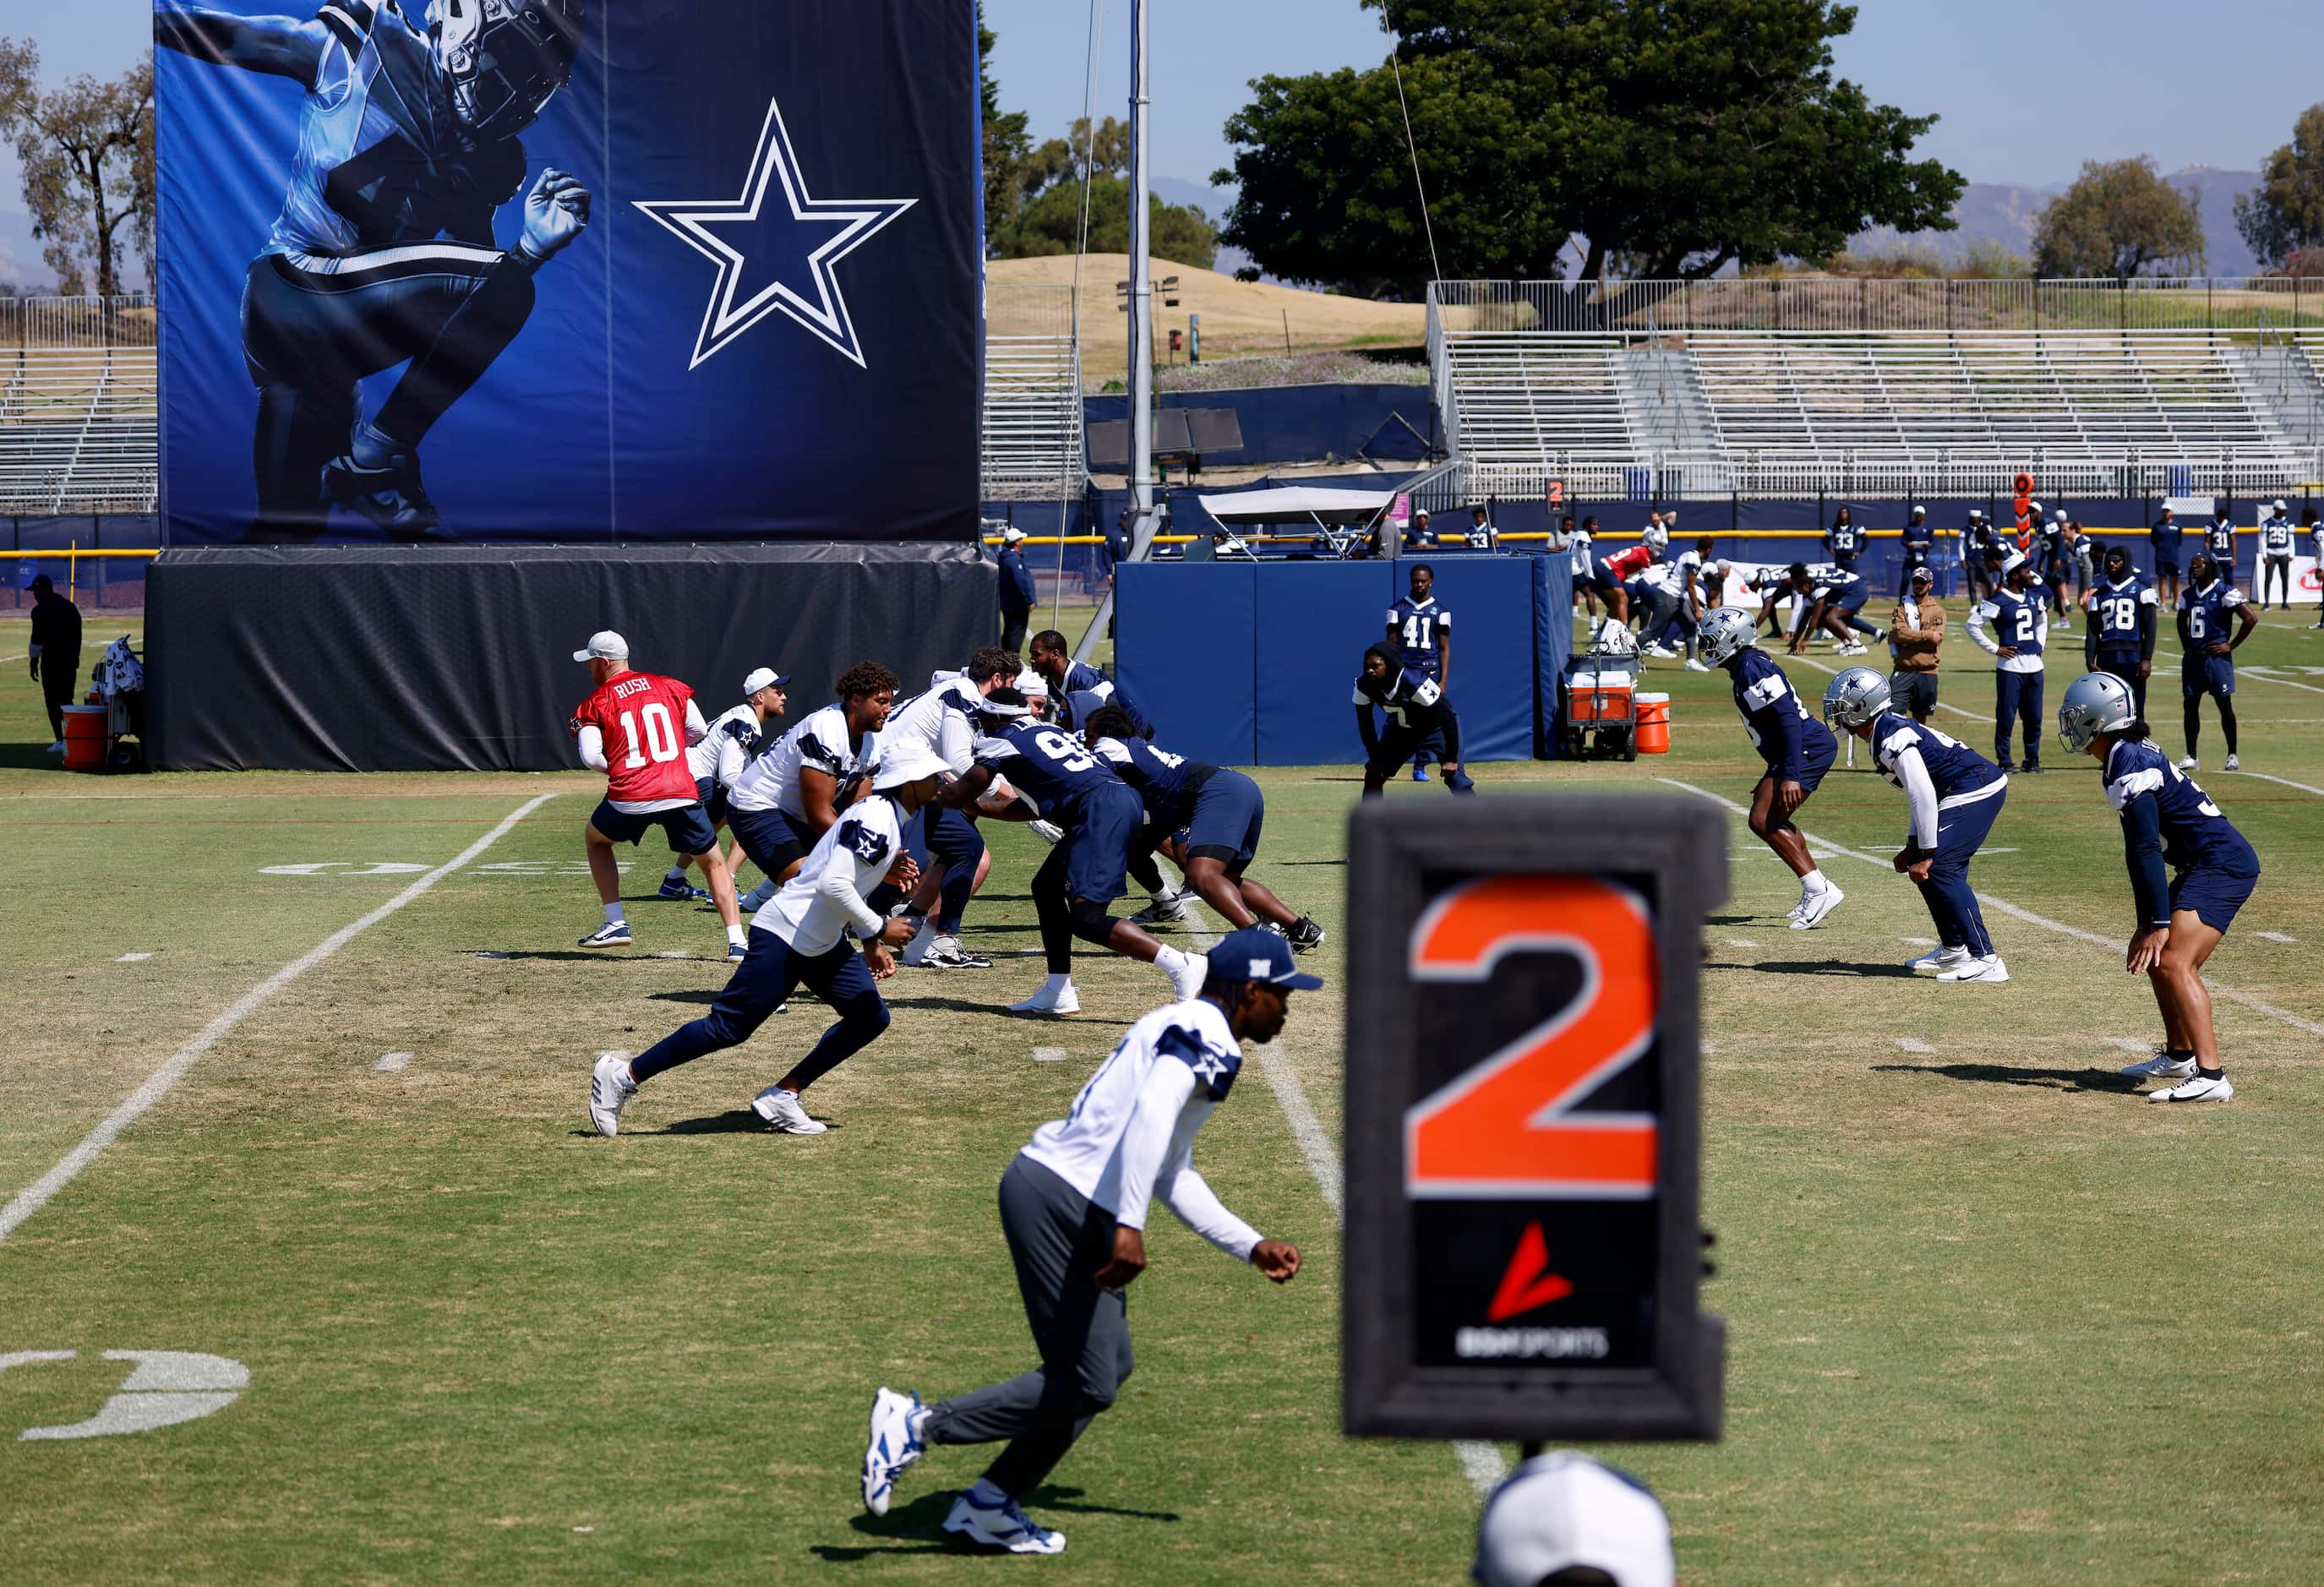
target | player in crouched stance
[
  {"x": 2166, "y": 821},
  {"x": 1073, "y": 1206},
  {"x": 1956, "y": 795},
  {"x": 802, "y": 937},
  {"x": 1796, "y": 747}
]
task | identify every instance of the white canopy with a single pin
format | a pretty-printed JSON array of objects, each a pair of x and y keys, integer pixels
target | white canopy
[{"x": 1295, "y": 504}]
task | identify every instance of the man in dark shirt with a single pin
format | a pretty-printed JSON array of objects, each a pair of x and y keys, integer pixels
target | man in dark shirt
[
  {"x": 56, "y": 652},
  {"x": 1016, "y": 590}
]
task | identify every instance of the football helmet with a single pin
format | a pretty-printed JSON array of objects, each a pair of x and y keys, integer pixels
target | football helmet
[
  {"x": 1726, "y": 631},
  {"x": 2095, "y": 703},
  {"x": 1854, "y": 698},
  {"x": 503, "y": 59},
  {"x": 1655, "y": 536}
]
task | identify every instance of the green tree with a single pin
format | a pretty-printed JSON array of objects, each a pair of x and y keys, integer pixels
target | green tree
[
  {"x": 1676, "y": 138},
  {"x": 1006, "y": 144},
  {"x": 2119, "y": 218},
  {"x": 2285, "y": 213},
  {"x": 1050, "y": 223},
  {"x": 88, "y": 154}
]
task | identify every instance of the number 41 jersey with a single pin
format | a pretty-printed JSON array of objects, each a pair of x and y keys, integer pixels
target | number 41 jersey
[{"x": 642, "y": 717}]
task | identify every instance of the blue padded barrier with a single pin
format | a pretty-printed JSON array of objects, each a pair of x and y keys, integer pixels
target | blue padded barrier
[
  {"x": 1314, "y": 620},
  {"x": 1552, "y": 626},
  {"x": 1186, "y": 652},
  {"x": 1491, "y": 601}
]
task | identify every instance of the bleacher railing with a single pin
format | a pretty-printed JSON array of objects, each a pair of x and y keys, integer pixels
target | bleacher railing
[
  {"x": 1033, "y": 446},
  {"x": 78, "y": 324}
]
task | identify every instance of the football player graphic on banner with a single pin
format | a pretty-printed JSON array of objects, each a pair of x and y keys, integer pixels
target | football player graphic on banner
[{"x": 383, "y": 252}]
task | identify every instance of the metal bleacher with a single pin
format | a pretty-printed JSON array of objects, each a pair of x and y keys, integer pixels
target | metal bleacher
[
  {"x": 1033, "y": 444},
  {"x": 2099, "y": 388},
  {"x": 79, "y": 415}
]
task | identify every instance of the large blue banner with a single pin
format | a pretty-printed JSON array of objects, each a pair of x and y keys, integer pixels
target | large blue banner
[{"x": 567, "y": 270}]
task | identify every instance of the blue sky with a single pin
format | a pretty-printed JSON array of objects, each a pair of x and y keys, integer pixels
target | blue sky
[{"x": 2027, "y": 89}]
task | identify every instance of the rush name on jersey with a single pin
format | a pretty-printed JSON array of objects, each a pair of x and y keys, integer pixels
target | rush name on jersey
[{"x": 642, "y": 718}]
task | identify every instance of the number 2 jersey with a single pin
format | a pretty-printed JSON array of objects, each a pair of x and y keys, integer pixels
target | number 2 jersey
[
  {"x": 642, "y": 719},
  {"x": 1788, "y": 739}
]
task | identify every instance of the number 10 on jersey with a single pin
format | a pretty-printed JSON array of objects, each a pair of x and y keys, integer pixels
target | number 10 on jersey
[{"x": 1524, "y": 1084}]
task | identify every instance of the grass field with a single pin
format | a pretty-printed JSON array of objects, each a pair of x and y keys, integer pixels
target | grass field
[{"x": 1991, "y": 1318}]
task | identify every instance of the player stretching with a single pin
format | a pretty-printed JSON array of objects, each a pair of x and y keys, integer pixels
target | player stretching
[
  {"x": 1417, "y": 710},
  {"x": 717, "y": 762},
  {"x": 789, "y": 796},
  {"x": 634, "y": 727},
  {"x": 2206, "y": 662},
  {"x": 803, "y": 938},
  {"x": 2166, "y": 821},
  {"x": 1073, "y": 1208},
  {"x": 1956, "y": 795},
  {"x": 383, "y": 252},
  {"x": 1221, "y": 812},
  {"x": 1099, "y": 817},
  {"x": 1798, "y": 751}
]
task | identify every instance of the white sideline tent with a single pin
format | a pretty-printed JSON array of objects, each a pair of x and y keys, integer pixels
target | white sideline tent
[{"x": 1316, "y": 505}]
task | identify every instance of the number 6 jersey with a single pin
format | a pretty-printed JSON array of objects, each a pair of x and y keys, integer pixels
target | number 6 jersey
[{"x": 645, "y": 722}]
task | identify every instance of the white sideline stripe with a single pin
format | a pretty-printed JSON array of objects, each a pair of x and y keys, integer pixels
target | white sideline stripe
[
  {"x": 2257, "y": 1005},
  {"x": 1481, "y": 1463},
  {"x": 1834, "y": 671},
  {"x": 1742, "y": 942},
  {"x": 2267, "y": 676},
  {"x": 2285, "y": 781},
  {"x": 1048, "y": 1054},
  {"x": 1914, "y": 1044},
  {"x": 158, "y": 1084},
  {"x": 392, "y": 1061},
  {"x": 2275, "y": 936},
  {"x": 132, "y": 958}
]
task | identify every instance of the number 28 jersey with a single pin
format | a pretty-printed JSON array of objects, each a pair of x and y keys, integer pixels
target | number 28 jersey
[{"x": 642, "y": 718}]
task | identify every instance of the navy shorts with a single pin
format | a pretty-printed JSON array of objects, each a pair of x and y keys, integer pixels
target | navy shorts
[
  {"x": 712, "y": 797},
  {"x": 687, "y": 827},
  {"x": 774, "y": 841},
  {"x": 2121, "y": 660},
  {"x": 2207, "y": 674},
  {"x": 1816, "y": 758},
  {"x": 2166, "y": 561},
  {"x": 1602, "y": 576},
  {"x": 2215, "y": 892},
  {"x": 1099, "y": 832},
  {"x": 1229, "y": 813}
]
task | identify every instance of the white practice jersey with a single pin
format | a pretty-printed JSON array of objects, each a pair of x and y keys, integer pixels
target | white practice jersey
[
  {"x": 1130, "y": 1135},
  {"x": 816, "y": 908},
  {"x": 939, "y": 723},
  {"x": 722, "y": 752},
  {"x": 770, "y": 781}
]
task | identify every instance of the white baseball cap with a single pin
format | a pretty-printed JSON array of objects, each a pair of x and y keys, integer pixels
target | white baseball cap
[
  {"x": 1562, "y": 1511},
  {"x": 604, "y": 645},
  {"x": 764, "y": 678},
  {"x": 1032, "y": 685},
  {"x": 2279, "y": 506},
  {"x": 909, "y": 766},
  {"x": 1918, "y": 507},
  {"x": 1012, "y": 534},
  {"x": 1979, "y": 512},
  {"x": 2060, "y": 515},
  {"x": 2015, "y": 559}
]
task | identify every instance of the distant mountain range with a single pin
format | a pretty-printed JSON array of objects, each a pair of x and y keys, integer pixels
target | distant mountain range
[{"x": 2003, "y": 213}]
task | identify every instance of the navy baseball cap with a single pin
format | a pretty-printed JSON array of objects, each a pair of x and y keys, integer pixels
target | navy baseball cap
[{"x": 1253, "y": 954}]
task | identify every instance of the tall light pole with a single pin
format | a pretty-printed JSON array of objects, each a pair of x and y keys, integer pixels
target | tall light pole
[{"x": 1141, "y": 301}]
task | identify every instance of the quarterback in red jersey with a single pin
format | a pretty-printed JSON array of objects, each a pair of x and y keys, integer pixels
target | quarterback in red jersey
[{"x": 635, "y": 728}]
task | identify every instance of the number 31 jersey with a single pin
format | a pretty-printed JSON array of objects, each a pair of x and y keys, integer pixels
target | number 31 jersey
[{"x": 642, "y": 717}]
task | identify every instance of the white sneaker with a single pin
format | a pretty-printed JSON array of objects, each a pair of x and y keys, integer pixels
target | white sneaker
[
  {"x": 2162, "y": 1067},
  {"x": 1694, "y": 666},
  {"x": 1989, "y": 970},
  {"x": 948, "y": 954},
  {"x": 613, "y": 934},
  {"x": 1850, "y": 648},
  {"x": 1063, "y": 1000},
  {"x": 891, "y": 1447},
  {"x": 1002, "y": 1527},
  {"x": 2195, "y": 1090},
  {"x": 2234, "y": 763},
  {"x": 915, "y": 952},
  {"x": 781, "y": 1109},
  {"x": 1168, "y": 908},
  {"x": 1816, "y": 906},
  {"x": 610, "y": 1091},
  {"x": 57, "y": 748},
  {"x": 1939, "y": 958},
  {"x": 1187, "y": 979},
  {"x": 2190, "y": 764},
  {"x": 1660, "y": 652},
  {"x": 1049, "y": 832}
]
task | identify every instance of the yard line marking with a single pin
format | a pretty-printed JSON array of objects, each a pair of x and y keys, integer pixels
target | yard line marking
[
  {"x": 2286, "y": 781},
  {"x": 2264, "y": 675},
  {"x": 2275, "y": 936},
  {"x": 2256, "y": 1004},
  {"x": 1048, "y": 1054},
  {"x": 136, "y": 958},
  {"x": 1481, "y": 1462},
  {"x": 1914, "y": 1044},
  {"x": 1741, "y": 942},
  {"x": 159, "y": 1084},
  {"x": 392, "y": 1062},
  {"x": 1834, "y": 671}
]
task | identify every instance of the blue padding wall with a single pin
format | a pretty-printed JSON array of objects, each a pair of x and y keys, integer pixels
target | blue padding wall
[
  {"x": 1186, "y": 652},
  {"x": 1304, "y": 424},
  {"x": 1552, "y": 624},
  {"x": 1491, "y": 602},
  {"x": 1314, "y": 620}
]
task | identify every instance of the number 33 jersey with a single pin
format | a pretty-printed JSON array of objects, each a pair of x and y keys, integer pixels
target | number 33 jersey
[{"x": 642, "y": 717}]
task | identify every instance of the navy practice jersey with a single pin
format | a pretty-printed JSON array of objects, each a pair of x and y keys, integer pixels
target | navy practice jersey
[
  {"x": 1954, "y": 768},
  {"x": 2219, "y": 540},
  {"x": 2194, "y": 832},
  {"x": 1841, "y": 588},
  {"x": 1045, "y": 764},
  {"x": 1166, "y": 783},
  {"x": 2165, "y": 535},
  {"x": 2020, "y": 618},
  {"x": 1980, "y": 536},
  {"x": 2210, "y": 613},
  {"x": 1775, "y": 716},
  {"x": 1416, "y": 624},
  {"x": 1920, "y": 539},
  {"x": 1845, "y": 541},
  {"x": 1081, "y": 677},
  {"x": 381, "y": 158},
  {"x": 2115, "y": 610},
  {"x": 1410, "y": 698}
]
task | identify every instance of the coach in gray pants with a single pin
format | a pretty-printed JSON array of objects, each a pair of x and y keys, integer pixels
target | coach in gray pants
[{"x": 1073, "y": 1207}]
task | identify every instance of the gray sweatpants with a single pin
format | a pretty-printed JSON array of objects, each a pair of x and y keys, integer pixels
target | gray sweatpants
[{"x": 1059, "y": 1240}]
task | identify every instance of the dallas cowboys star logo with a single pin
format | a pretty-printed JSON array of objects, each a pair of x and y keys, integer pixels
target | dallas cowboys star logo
[
  {"x": 1209, "y": 1069},
  {"x": 821, "y": 309}
]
